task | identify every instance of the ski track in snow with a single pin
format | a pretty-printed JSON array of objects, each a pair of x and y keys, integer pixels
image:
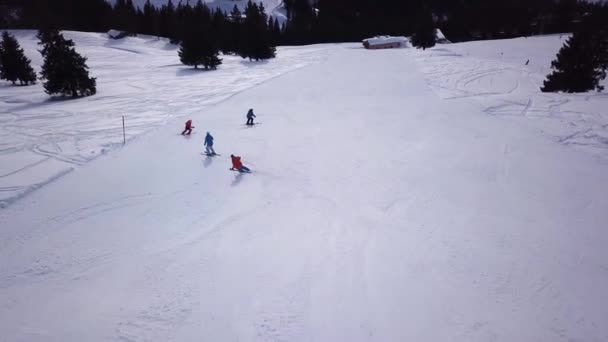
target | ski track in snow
[
  {"x": 140, "y": 78},
  {"x": 494, "y": 74}
]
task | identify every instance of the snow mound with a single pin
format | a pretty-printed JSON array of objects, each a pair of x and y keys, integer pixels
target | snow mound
[{"x": 441, "y": 39}]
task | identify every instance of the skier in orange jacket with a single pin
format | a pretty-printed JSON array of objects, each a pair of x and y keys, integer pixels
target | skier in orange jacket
[
  {"x": 237, "y": 164},
  {"x": 188, "y": 128}
]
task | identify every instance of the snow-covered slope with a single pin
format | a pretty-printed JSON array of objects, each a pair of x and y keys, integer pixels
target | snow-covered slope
[
  {"x": 139, "y": 78},
  {"x": 503, "y": 78},
  {"x": 380, "y": 209}
]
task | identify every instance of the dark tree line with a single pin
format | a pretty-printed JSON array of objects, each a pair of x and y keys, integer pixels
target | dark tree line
[
  {"x": 309, "y": 21},
  {"x": 204, "y": 33},
  {"x": 352, "y": 20},
  {"x": 173, "y": 20}
]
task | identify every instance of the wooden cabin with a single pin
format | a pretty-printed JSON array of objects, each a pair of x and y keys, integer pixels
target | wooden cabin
[{"x": 385, "y": 42}]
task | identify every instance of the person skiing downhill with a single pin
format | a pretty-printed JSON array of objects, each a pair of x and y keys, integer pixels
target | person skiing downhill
[
  {"x": 237, "y": 164},
  {"x": 209, "y": 144},
  {"x": 250, "y": 117},
  {"x": 188, "y": 128}
]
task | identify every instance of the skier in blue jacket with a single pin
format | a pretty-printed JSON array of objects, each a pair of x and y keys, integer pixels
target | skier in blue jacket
[{"x": 209, "y": 144}]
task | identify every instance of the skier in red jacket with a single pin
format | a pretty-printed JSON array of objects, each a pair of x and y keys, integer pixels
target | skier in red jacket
[
  {"x": 188, "y": 128},
  {"x": 237, "y": 165}
]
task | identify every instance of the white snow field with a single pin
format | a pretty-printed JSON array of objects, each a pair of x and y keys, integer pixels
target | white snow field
[
  {"x": 495, "y": 75},
  {"x": 395, "y": 197},
  {"x": 42, "y": 138}
]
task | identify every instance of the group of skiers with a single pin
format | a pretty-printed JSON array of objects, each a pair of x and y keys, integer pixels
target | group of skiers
[{"x": 237, "y": 165}]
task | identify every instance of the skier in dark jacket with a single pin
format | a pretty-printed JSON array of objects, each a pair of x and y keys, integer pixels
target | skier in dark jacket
[
  {"x": 250, "y": 117},
  {"x": 188, "y": 128},
  {"x": 237, "y": 164},
  {"x": 209, "y": 144}
]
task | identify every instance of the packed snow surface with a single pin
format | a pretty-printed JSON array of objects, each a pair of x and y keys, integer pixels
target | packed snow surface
[
  {"x": 140, "y": 78},
  {"x": 397, "y": 195}
]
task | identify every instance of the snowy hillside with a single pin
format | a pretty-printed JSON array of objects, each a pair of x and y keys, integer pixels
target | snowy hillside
[
  {"x": 397, "y": 195},
  {"x": 140, "y": 78},
  {"x": 494, "y": 75}
]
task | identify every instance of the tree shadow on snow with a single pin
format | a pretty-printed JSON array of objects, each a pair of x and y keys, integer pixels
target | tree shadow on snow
[
  {"x": 9, "y": 84},
  {"x": 191, "y": 71},
  {"x": 49, "y": 101},
  {"x": 252, "y": 64},
  {"x": 171, "y": 65}
]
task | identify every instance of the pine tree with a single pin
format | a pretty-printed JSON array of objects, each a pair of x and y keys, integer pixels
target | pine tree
[
  {"x": 582, "y": 62},
  {"x": 425, "y": 35},
  {"x": 167, "y": 21},
  {"x": 219, "y": 28},
  {"x": 199, "y": 45},
  {"x": 266, "y": 48},
  {"x": 183, "y": 22},
  {"x": 300, "y": 25},
  {"x": 288, "y": 4},
  {"x": 149, "y": 19},
  {"x": 276, "y": 32},
  {"x": 125, "y": 16},
  {"x": 235, "y": 32},
  {"x": 64, "y": 70},
  {"x": 14, "y": 66},
  {"x": 257, "y": 36}
]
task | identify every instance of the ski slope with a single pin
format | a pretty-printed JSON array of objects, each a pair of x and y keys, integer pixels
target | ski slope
[
  {"x": 43, "y": 138},
  {"x": 387, "y": 203}
]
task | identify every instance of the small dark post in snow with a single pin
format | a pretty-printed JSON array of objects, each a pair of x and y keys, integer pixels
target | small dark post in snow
[{"x": 124, "y": 137}]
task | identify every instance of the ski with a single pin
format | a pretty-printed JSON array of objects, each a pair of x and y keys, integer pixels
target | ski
[{"x": 232, "y": 169}]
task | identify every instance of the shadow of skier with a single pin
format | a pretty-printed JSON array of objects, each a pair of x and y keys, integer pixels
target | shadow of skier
[
  {"x": 237, "y": 179},
  {"x": 207, "y": 161}
]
